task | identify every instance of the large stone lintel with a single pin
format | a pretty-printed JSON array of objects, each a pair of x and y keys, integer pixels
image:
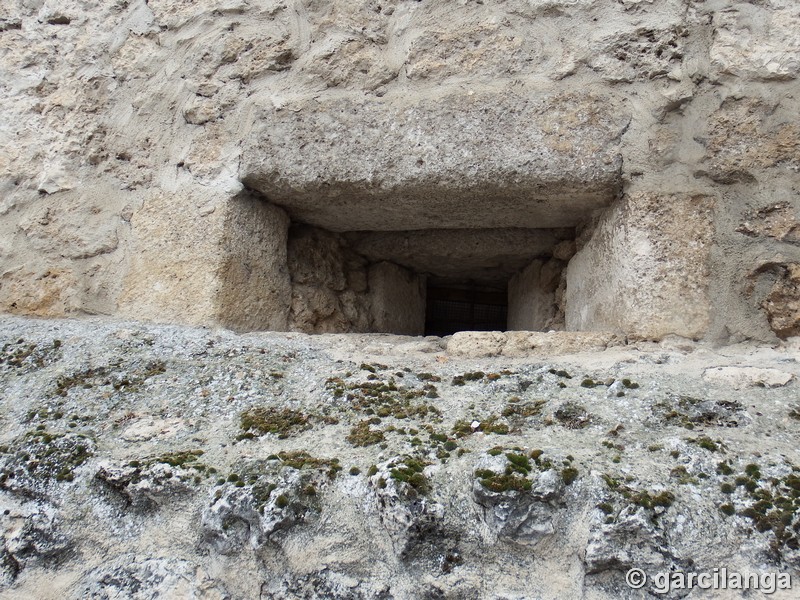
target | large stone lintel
[{"x": 461, "y": 160}]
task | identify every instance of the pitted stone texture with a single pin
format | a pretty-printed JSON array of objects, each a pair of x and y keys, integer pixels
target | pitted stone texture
[
  {"x": 522, "y": 517},
  {"x": 779, "y": 221},
  {"x": 329, "y": 283},
  {"x": 749, "y": 135},
  {"x": 58, "y": 252},
  {"x": 505, "y": 159},
  {"x": 646, "y": 256},
  {"x": 132, "y": 576},
  {"x": 515, "y": 344},
  {"x": 475, "y": 42},
  {"x": 782, "y": 304},
  {"x": 757, "y": 40},
  {"x": 643, "y": 54},
  {"x": 515, "y": 109},
  {"x": 743, "y": 377}
]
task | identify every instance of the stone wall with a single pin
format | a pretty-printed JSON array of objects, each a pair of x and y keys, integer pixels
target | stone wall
[
  {"x": 664, "y": 131},
  {"x": 329, "y": 283}
]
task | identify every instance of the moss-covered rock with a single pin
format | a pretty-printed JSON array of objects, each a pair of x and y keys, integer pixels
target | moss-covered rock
[{"x": 39, "y": 459}]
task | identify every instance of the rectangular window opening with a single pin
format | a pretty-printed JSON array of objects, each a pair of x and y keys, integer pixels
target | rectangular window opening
[{"x": 465, "y": 307}]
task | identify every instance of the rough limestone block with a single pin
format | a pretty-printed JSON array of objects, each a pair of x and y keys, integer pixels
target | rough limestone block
[
  {"x": 758, "y": 42},
  {"x": 531, "y": 296},
  {"x": 397, "y": 298},
  {"x": 474, "y": 344},
  {"x": 551, "y": 343},
  {"x": 59, "y": 253},
  {"x": 645, "y": 269},
  {"x": 782, "y": 304},
  {"x": 207, "y": 258},
  {"x": 519, "y": 344},
  {"x": 509, "y": 158},
  {"x": 747, "y": 136},
  {"x": 254, "y": 288}
]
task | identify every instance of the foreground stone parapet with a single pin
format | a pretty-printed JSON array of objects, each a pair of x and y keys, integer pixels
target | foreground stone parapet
[
  {"x": 487, "y": 254},
  {"x": 152, "y": 461}
]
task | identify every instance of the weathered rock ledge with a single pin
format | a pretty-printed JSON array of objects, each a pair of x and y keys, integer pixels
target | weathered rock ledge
[{"x": 142, "y": 461}]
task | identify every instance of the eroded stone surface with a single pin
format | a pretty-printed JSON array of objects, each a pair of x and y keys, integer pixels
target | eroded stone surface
[
  {"x": 778, "y": 221},
  {"x": 130, "y": 129},
  {"x": 746, "y": 136},
  {"x": 391, "y": 164},
  {"x": 646, "y": 256},
  {"x": 782, "y": 304},
  {"x": 531, "y": 475},
  {"x": 758, "y": 41},
  {"x": 741, "y": 377}
]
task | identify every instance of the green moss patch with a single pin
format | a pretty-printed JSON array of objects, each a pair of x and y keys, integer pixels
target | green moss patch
[
  {"x": 652, "y": 501},
  {"x": 491, "y": 424},
  {"x": 119, "y": 378},
  {"x": 469, "y": 376},
  {"x": 24, "y": 355},
  {"x": 500, "y": 482},
  {"x": 362, "y": 434},
  {"x": 706, "y": 443},
  {"x": 518, "y": 470},
  {"x": 385, "y": 398},
  {"x": 41, "y": 456},
  {"x": 572, "y": 416},
  {"x": 283, "y": 422},
  {"x": 560, "y": 373},
  {"x": 523, "y": 410},
  {"x": 410, "y": 471},
  {"x": 301, "y": 460},
  {"x": 772, "y": 504},
  {"x": 690, "y": 412}
]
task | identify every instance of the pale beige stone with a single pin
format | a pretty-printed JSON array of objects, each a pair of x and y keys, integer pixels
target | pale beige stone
[
  {"x": 397, "y": 300},
  {"x": 782, "y": 304},
  {"x": 224, "y": 265},
  {"x": 519, "y": 344},
  {"x": 62, "y": 253},
  {"x": 523, "y": 343},
  {"x": 253, "y": 292},
  {"x": 329, "y": 283},
  {"x": 757, "y": 41},
  {"x": 531, "y": 296},
  {"x": 779, "y": 221},
  {"x": 743, "y": 377},
  {"x": 502, "y": 158},
  {"x": 468, "y": 131},
  {"x": 645, "y": 269},
  {"x": 746, "y": 136},
  {"x": 475, "y": 344}
]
